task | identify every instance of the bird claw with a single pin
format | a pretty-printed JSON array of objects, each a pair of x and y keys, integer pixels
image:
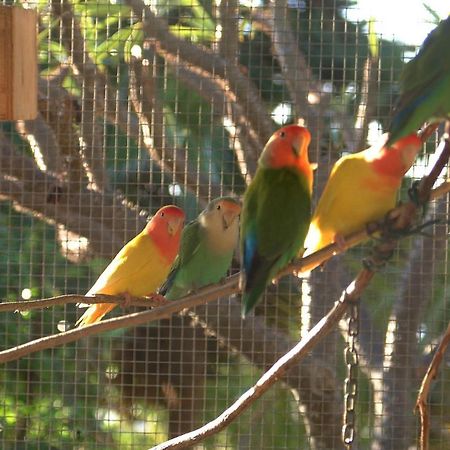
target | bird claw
[
  {"x": 413, "y": 193},
  {"x": 340, "y": 241},
  {"x": 127, "y": 301},
  {"x": 372, "y": 228},
  {"x": 414, "y": 196},
  {"x": 157, "y": 298}
]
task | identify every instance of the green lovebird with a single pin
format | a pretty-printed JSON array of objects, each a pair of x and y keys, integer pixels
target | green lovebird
[
  {"x": 206, "y": 249},
  {"x": 424, "y": 85},
  {"x": 276, "y": 211}
]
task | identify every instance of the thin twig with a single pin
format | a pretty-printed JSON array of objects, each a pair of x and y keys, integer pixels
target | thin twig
[
  {"x": 207, "y": 294},
  {"x": 71, "y": 298},
  {"x": 422, "y": 404}
]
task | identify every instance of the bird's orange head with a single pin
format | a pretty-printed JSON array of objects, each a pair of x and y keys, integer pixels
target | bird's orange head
[
  {"x": 230, "y": 207},
  {"x": 165, "y": 229},
  {"x": 395, "y": 161},
  {"x": 288, "y": 148}
]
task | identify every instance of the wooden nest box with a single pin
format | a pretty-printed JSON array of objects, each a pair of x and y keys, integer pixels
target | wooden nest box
[{"x": 18, "y": 63}]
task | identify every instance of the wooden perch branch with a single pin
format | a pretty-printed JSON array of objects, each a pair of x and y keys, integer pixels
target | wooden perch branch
[
  {"x": 207, "y": 294},
  {"x": 401, "y": 345},
  {"x": 403, "y": 219},
  {"x": 270, "y": 377},
  {"x": 403, "y": 215},
  {"x": 72, "y": 298},
  {"x": 422, "y": 403}
]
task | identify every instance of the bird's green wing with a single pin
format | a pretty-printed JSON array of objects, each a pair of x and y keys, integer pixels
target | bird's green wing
[
  {"x": 189, "y": 245},
  {"x": 424, "y": 86},
  {"x": 430, "y": 63}
]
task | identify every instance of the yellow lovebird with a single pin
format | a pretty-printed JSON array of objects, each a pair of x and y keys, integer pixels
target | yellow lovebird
[
  {"x": 362, "y": 188},
  {"x": 142, "y": 265}
]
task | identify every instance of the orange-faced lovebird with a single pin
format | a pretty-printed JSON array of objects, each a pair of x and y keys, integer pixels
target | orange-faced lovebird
[
  {"x": 276, "y": 211},
  {"x": 362, "y": 187},
  {"x": 424, "y": 85},
  {"x": 142, "y": 264},
  {"x": 206, "y": 249}
]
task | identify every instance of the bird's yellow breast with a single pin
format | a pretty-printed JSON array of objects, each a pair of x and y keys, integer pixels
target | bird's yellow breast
[
  {"x": 354, "y": 195},
  {"x": 139, "y": 269}
]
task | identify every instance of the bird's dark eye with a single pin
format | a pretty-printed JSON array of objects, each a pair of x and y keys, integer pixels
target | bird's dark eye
[
  {"x": 218, "y": 207},
  {"x": 282, "y": 134},
  {"x": 162, "y": 214}
]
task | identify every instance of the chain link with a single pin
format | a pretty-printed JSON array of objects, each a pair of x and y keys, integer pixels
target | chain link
[{"x": 351, "y": 382}]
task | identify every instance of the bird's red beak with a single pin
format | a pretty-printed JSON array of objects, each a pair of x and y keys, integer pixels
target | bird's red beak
[{"x": 232, "y": 212}]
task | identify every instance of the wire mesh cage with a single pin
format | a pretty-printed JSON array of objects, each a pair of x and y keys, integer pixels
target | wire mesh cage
[{"x": 143, "y": 104}]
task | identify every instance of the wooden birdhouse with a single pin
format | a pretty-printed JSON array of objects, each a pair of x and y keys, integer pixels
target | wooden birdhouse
[{"x": 18, "y": 63}]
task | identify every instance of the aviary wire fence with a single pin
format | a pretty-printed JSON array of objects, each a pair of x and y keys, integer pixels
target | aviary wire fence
[{"x": 147, "y": 103}]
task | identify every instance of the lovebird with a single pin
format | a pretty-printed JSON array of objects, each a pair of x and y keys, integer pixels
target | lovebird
[
  {"x": 424, "y": 85},
  {"x": 362, "y": 187},
  {"x": 142, "y": 264},
  {"x": 206, "y": 249},
  {"x": 276, "y": 211}
]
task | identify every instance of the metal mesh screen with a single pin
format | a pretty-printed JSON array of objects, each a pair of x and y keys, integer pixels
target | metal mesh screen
[{"x": 148, "y": 103}]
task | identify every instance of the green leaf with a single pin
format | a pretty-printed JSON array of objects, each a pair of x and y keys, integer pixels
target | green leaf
[
  {"x": 373, "y": 40},
  {"x": 114, "y": 44},
  {"x": 135, "y": 37},
  {"x": 94, "y": 9}
]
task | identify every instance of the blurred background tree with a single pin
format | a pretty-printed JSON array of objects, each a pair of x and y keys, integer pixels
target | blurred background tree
[{"x": 141, "y": 106}]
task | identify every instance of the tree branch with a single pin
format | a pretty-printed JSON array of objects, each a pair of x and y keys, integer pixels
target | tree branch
[
  {"x": 267, "y": 380},
  {"x": 229, "y": 33},
  {"x": 314, "y": 381},
  {"x": 406, "y": 319},
  {"x": 368, "y": 100},
  {"x": 39, "y": 134},
  {"x": 209, "y": 293},
  {"x": 422, "y": 403},
  {"x": 172, "y": 161},
  {"x": 98, "y": 95},
  {"x": 102, "y": 218},
  {"x": 60, "y": 110},
  {"x": 401, "y": 222},
  {"x": 394, "y": 427},
  {"x": 224, "y": 106},
  {"x": 29, "y": 305},
  {"x": 246, "y": 92},
  {"x": 299, "y": 78}
]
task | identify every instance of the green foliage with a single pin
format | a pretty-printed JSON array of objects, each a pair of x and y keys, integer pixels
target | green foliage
[{"x": 59, "y": 399}]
